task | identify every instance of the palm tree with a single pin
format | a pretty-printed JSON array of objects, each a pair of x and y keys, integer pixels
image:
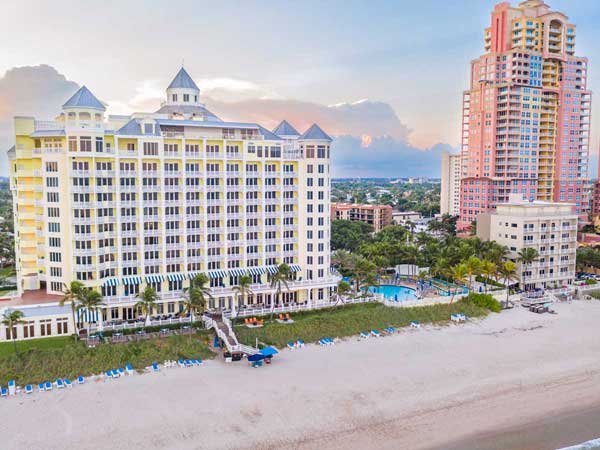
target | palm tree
[
  {"x": 147, "y": 299},
  {"x": 459, "y": 274},
  {"x": 243, "y": 287},
  {"x": 90, "y": 300},
  {"x": 526, "y": 256},
  {"x": 194, "y": 301},
  {"x": 10, "y": 320},
  {"x": 489, "y": 270},
  {"x": 508, "y": 272},
  {"x": 473, "y": 266},
  {"x": 343, "y": 289},
  {"x": 279, "y": 280},
  {"x": 71, "y": 295}
]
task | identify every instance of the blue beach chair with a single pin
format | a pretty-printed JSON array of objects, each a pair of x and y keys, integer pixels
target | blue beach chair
[
  {"x": 108, "y": 374},
  {"x": 80, "y": 379},
  {"x": 68, "y": 382},
  {"x": 59, "y": 383},
  {"x": 28, "y": 389},
  {"x": 129, "y": 369},
  {"x": 154, "y": 367},
  {"x": 3, "y": 392},
  {"x": 48, "y": 386},
  {"x": 300, "y": 343},
  {"x": 41, "y": 387}
]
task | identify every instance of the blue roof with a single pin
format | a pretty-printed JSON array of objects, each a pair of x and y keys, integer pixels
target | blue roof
[
  {"x": 316, "y": 134},
  {"x": 47, "y": 133},
  {"x": 183, "y": 80},
  {"x": 285, "y": 129},
  {"x": 134, "y": 128},
  {"x": 268, "y": 135},
  {"x": 83, "y": 98},
  {"x": 35, "y": 311}
]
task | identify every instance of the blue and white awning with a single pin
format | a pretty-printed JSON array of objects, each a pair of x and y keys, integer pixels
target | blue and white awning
[
  {"x": 193, "y": 274},
  {"x": 217, "y": 273},
  {"x": 132, "y": 280},
  {"x": 295, "y": 267},
  {"x": 84, "y": 315},
  {"x": 237, "y": 272},
  {"x": 176, "y": 276},
  {"x": 272, "y": 269},
  {"x": 111, "y": 282},
  {"x": 255, "y": 270},
  {"x": 154, "y": 278}
]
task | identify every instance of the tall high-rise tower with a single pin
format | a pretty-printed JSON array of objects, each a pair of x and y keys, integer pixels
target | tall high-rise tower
[{"x": 526, "y": 115}]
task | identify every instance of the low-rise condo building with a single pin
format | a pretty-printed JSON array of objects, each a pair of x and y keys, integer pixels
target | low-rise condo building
[
  {"x": 450, "y": 184},
  {"x": 378, "y": 216},
  {"x": 549, "y": 228},
  {"x": 154, "y": 199}
]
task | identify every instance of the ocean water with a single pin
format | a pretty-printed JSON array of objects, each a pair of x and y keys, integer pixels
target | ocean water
[{"x": 589, "y": 445}]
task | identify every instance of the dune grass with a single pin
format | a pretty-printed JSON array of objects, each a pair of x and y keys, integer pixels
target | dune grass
[
  {"x": 350, "y": 320},
  {"x": 63, "y": 357}
]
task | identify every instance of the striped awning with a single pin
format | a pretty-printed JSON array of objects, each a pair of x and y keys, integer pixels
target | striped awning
[
  {"x": 132, "y": 280},
  {"x": 237, "y": 272},
  {"x": 256, "y": 270},
  {"x": 84, "y": 315},
  {"x": 217, "y": 273},
  {"x": 176, "y": 276},
  {"x": 154, "y": 278},
  {"x": 193, "y": 274},
  {"x": 111, "y": 282},
  {"x": 295, "y": 267},
  {"x": 272, "y": 269}
]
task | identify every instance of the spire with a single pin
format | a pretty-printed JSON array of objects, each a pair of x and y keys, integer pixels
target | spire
[
  {"x": 285, "y": 129},
  {"x": 84, "y": 98},
  {"x": 183, "y": 80}
]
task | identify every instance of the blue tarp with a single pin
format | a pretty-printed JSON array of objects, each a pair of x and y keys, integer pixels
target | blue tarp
[
  {"x": 257, "y": 357},
  {"x": 268, "y": 351}
]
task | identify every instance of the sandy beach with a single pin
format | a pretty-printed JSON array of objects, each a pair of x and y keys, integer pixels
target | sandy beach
[{"x": 514, "y": 380}]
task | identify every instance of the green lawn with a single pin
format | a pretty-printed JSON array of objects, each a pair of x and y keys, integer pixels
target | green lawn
[
  {"x": 350, "y": 320},
  {"x": 63, "y": 357}
]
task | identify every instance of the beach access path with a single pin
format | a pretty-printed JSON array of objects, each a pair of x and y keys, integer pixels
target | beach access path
[{"x": 428, "y": 388}]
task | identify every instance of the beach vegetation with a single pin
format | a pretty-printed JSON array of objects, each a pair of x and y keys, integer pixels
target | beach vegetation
[{"x": 486, "y": 301}]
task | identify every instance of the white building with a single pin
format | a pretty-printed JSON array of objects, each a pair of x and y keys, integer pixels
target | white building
[
  {"x": 549, "y": 228},
  {"x": 450, "y": 184}
]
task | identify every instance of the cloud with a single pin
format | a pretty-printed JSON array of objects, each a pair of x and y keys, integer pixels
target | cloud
[{"x": 30, "y": 91}]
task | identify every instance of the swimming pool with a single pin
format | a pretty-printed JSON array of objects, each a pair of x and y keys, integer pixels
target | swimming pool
[{"x": 392, "y": 292}]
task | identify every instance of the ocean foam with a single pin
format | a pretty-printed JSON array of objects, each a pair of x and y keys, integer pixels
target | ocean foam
[{"x": 589, "y": 445}]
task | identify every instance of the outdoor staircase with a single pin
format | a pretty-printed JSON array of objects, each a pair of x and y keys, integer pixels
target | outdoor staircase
[{"x": 224, "y": 329}]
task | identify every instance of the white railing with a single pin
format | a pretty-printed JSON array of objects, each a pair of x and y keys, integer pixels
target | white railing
[{"x": 140, "y": 324}]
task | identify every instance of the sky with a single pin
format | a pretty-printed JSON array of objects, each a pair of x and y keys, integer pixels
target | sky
[{"x": 384, "y": 77}]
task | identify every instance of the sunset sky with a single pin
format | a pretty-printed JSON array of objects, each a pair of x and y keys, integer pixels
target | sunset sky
[{"x": 395, "y": 70}]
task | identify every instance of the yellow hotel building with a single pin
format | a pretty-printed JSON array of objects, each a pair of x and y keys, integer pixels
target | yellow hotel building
[{"x": 121, "y": 202}]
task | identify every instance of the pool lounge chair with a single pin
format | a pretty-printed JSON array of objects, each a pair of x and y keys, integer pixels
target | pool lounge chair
[
  {"x": 59, "y": 383},
  {"x": 12, "y": 387},
  {"x": 48, "y": 386},
  {"x": 415, "y": 324},
  {"x": 364, "y": 334},
  {"x": 80, "y": 379},
  {"x": 300, "y": 343},
  {"x": 181, "y": 363},
  {"x": 28, "y": 389},
  {"x": 121, "y": 371},
  {"x": 41, "y": 387},
  {"x": 375, "y": 333},
  {"x": 291, "y": 345},
  {"x": 3, "y": 392},
  {"x": 154, "y": 367},
  {"x": 108, "y": 374},
  {"x": 188, "y": 363},
  {"x": 68, "y": 382},
  {"x": 129, "y": 369}
]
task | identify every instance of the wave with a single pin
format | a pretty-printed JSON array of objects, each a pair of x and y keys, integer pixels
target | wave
[{"x": 589, "y": 445}]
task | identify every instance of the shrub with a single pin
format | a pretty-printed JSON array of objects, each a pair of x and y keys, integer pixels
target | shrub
[
  {"x": 590, "y": 281},
  {"x": 485, "y": 301}
]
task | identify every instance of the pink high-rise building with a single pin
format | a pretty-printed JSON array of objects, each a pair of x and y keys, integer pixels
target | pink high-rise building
[{"x": 526, "y": 115}]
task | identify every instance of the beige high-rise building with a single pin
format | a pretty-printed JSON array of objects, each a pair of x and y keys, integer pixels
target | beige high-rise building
[
  {"x": 549, "y": 228},
  {"x": 450, "y": 186}
]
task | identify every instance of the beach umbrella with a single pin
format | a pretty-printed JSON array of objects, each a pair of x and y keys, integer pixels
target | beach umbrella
[
  {"x": 268, "y": 351},
  {"x": 257, "y": 357}
]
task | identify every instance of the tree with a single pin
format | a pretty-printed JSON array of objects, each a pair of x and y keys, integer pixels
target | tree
[
  {"x": 459, "y": 274},
  {"x": 91, "y": 301},
  {"x": 473, "y": 266},
  {"x": 349, "y": 235},
  {"x": 343, "y": 289},
  {"x": 147, "y": 299},
  {"x": 489, "y": 270},
  {"x": 71, "y": 294},
  {"x": 473, "y": 228},
  {"x": 193, "y": 302},
  {"x": 243, "y": 287},
  {"x": 343, "y": 261},
  {"x": 279, "y": 280},
  {"x": 10, "y": 320},
  {"x": 365, "y": 273},
  {"x": 508, "y": 272},
  {"x": 526, "y": 256}
]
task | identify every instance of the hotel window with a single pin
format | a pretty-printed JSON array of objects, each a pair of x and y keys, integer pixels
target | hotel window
[
  {"x": 29, "y": 329},
  {"x": 186, "y": 97},
  {"x": 174, "y": 97},
  {"x": 85, "y": 144},
  {"x": 46, "y": 327},
  {"x": 62, "y": 325},
  {"x": 11, "y": 333},
  {"x": 72, "y": 144}
]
